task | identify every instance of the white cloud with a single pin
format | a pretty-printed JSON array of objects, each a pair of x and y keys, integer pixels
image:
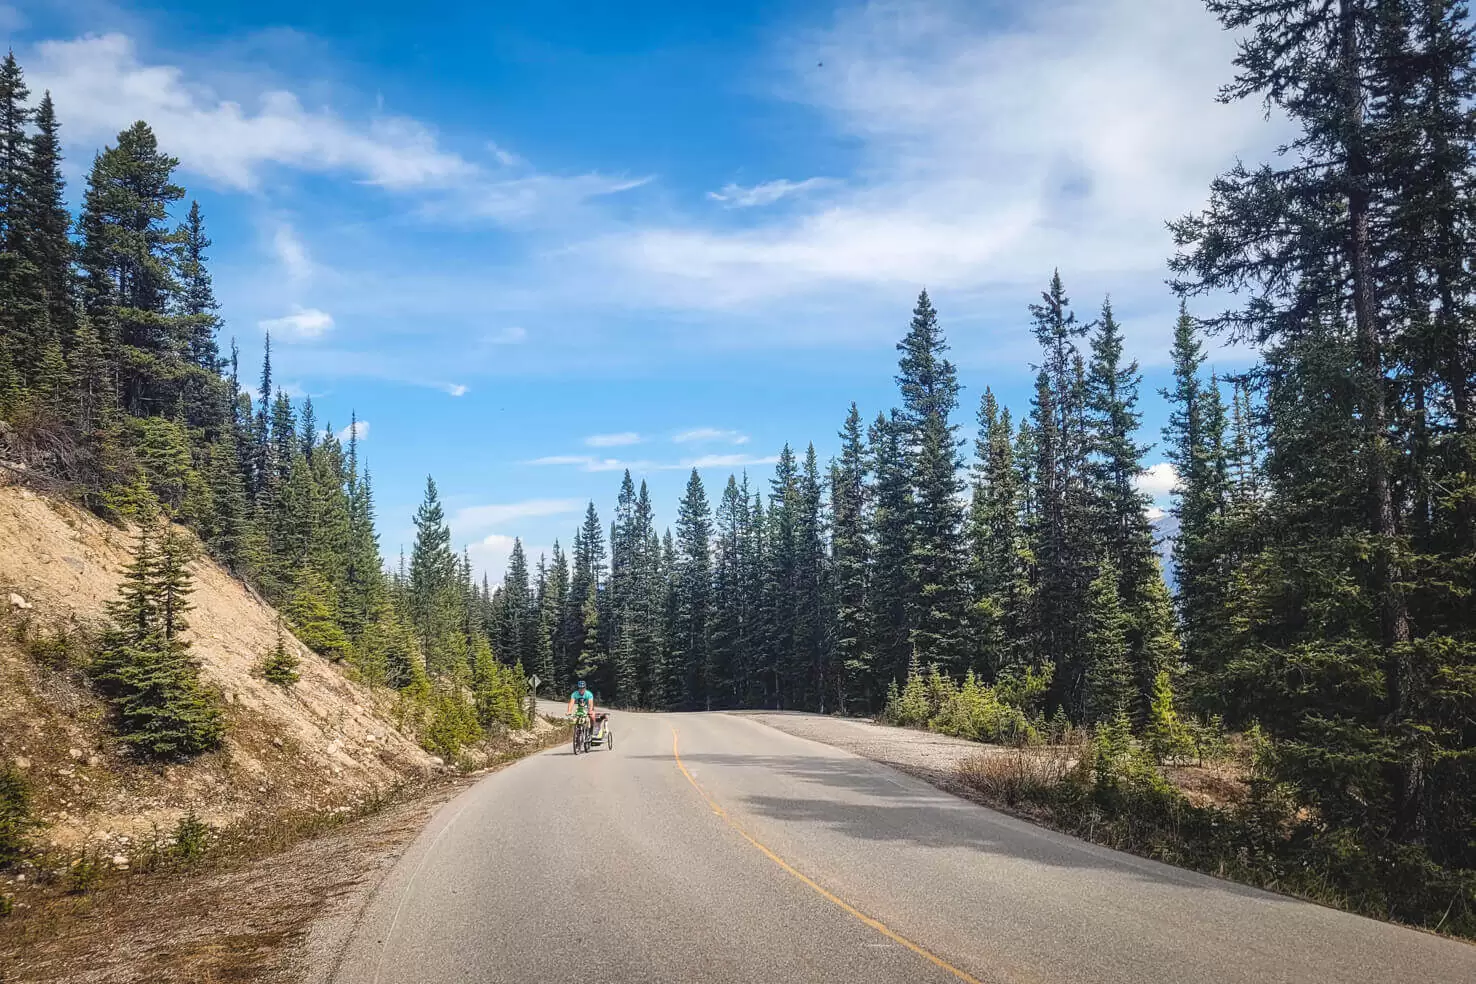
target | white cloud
[
  {"x": 511, "y": 335},
  {"x": 612, "y": 440},
  {"x": 1157, "y": 480},
  {"x": 725, "y": 461},
  {"x": 104, "y": 86},
  {"x": 592, "y": 463},
  {"x": 708, "y": 435},
  {"x": 358, "y": 429},
  {"x": 504, "y": 156},
  {"x": 236, "y": 138},
  {"x": 767, "y": 193},
  {"x": 993, "y": 149},
  {"x": 301, "y": 323},
  {"x": 1153, "y": 514},
  {"x": 451, "y": 389},
  {"x": 291, "y": 253},
  {"x": 471, "y": 521}
]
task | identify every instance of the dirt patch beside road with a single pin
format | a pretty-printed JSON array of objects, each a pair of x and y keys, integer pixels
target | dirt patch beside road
[{"x": 279, "y": 918}]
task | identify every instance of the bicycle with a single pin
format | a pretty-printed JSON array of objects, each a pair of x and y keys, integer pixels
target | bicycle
[{"x": 581, "y": 731}]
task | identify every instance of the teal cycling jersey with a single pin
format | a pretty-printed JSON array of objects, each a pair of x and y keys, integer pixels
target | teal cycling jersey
[{"x": 582, "y": 698}]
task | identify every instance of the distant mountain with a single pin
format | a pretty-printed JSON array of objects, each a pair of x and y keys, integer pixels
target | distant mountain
[{"x": 1165, "y": 532}]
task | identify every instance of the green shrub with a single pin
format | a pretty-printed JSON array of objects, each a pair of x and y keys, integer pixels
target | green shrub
[
  {"x": 85, "y": 873},
  {"x": 191, "y": 838},
  {"x": 974, "y": 711},
  {"x": 15, "y": 815}
]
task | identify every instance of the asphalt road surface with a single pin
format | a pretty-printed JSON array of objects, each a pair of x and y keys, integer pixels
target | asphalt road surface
[{"x": 756, "y": 856}]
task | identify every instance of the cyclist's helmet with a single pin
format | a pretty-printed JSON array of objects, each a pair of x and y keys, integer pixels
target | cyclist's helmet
[{"x": 581, "y": 684}]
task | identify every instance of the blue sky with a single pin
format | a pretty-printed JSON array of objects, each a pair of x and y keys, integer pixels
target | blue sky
[{"x": 530, "y": 243}]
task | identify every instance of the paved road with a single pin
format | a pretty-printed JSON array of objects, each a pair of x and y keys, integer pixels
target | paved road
[{"x": 762, "y": 857}]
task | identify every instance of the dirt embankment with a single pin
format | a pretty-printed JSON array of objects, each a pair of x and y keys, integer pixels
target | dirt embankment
[{"x": 326, "y": 743}]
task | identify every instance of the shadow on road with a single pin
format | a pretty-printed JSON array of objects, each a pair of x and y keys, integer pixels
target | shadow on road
[{"x": 869, "y": 804}]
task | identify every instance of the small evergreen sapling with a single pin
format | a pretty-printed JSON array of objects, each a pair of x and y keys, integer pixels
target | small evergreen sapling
[{"x": 280, "y": 665}]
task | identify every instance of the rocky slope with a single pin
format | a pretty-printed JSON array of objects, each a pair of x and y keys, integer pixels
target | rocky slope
[{"x": 326, "y": 743}]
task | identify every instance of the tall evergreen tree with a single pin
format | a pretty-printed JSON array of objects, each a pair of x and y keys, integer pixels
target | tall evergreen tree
[
  {"x": 850, "y": 558},
  {"x": 46, "y": 245},
  {"x": 929, "y": 388},
  {"x": 692, "y": 585}
]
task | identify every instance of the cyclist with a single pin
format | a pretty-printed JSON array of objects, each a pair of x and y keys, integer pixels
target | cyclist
[{"x": 585, "y": 700}]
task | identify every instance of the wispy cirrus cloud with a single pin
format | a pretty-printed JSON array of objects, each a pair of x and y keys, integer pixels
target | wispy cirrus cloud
[
  {"x": 303, "y": 323},
  {"x": 622, "y": 439},
  {"x": 238, "y": 139},
  {"x": 767, "y": 193},
  {"x": 960, "y": 184},
  {"x": 710, "y": 435},
  {"x": 593, "y": 463}
]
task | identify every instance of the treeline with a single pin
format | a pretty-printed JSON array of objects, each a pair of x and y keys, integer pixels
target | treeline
[
  {"x": 111, "y": 380},
  {"x": 820, "y": 590}
]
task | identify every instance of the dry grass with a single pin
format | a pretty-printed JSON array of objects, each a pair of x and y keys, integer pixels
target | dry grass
[{"x": 1019, "y": 776}]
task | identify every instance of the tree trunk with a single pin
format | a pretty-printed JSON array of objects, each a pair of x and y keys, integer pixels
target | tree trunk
[{"x": 1393, "y": 608}]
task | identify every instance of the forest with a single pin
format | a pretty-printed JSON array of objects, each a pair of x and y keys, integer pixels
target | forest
[{"x": 1326, "y": 497}]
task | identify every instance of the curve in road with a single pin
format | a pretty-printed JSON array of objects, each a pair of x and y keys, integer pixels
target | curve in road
[{"x": 709, "y": 847}]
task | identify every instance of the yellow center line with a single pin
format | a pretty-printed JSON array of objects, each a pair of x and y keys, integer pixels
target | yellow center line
[{"x": 845, "y": 906}]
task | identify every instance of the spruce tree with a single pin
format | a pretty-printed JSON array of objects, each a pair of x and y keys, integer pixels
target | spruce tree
[
  {"x": 890, "y": 600},
  {"x": 1109, "y": 681},
  {"x": 432, "y": 583},
  {"x": 280, "y": 665},
  {"x": 693, "y": 589},
  {"x": 929, "y": 388},
  {"x": 46, "y": 245},
  {"x": 145, "y": 668},
  {"x": 850, "y": 557}
]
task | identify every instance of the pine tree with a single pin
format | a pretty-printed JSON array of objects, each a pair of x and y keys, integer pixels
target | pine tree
[
  {"x": 929, "y": 388},
  {"x": 850, "y": 559},
  {"x": 46, "y": 245},
  {"x": 890, "y": 608},
  {"x": 730, "y": 602},
  {"x": 1338, "y": 645},
  {"x": 693, "y": 588},
  {"x": 1197, "y": 456},
  {"x": 432, "y": 583},
  {"x": 998, "y": 619},
  {"x": 1109, "y": 681},
  {"x": 145, "y": 667},
  {"x": 127, "y": 263},
  {"x": 14, "y": 153},
  {"x": 310, "y": 611},
  {"x": 814, "y": 670},
  {"x": 280, "y": 665}
]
